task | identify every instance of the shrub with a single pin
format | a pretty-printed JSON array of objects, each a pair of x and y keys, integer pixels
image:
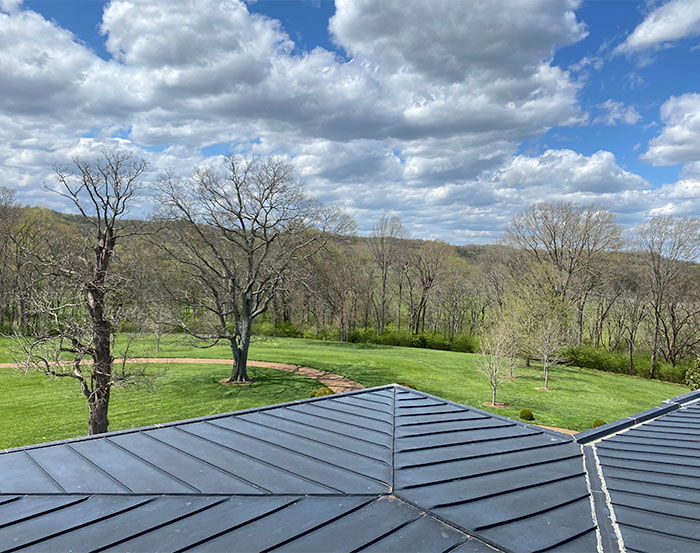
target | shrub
[
  {"x": 597, "y": 358},
  {"x": 407, "y": 385},
  {"x": 692, "y": 375},
  {"x": 597, "y": 423},
  {"x": 591, "y": 357},
  {"x": 526, "y": 415},
  {"x": 672, "y": 374},
  {"x": 322, "y": 391},
  {"x": 466, "y": 343},
  {"x": 127, "y": 327}
]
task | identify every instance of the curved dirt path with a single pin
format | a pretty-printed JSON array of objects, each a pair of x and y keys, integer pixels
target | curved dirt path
[{"x": 333, "y": 381}]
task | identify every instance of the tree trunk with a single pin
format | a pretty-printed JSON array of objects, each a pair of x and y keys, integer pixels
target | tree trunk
[
  {"x": 240, "y": 345},
  {"x": 98, "y": 405},
  {"x": 546, "y": 376},
  {"x": 240, "y": 359},
  {"x": 343, "y": 327},
  {"x": 579, "y": 324},
  {"x": 654, "y": 346},
  {"x": 98, "y": 401},
  {"x": 630, "y": 348},
  {"x": 493, "y": 396}
]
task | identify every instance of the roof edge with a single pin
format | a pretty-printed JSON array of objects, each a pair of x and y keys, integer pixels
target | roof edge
[
  {"x": 685, "y": 398},
  {"x": 564, "y": 437},
  {"x": 624, "y": 423}
]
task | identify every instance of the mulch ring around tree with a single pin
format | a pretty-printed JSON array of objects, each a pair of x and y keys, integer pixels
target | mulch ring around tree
[
  {"x": 228, "y": 382},
  {"x": 497, "y": 405},
  {"x": 543, "y": 389}
]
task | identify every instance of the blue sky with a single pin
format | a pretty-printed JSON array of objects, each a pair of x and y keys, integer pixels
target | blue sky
[{"x": 452, "y": 115}]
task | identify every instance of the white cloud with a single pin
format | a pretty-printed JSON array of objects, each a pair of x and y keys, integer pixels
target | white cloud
[
  {"x": 617, "y": 112},
  {"x": 679, "y": 141},
  {"x": 10, "y": 6},
  {"x": 666, "y": 24},
  {"x": 565, "y": 172},
  {"x": 424, "y": 122}
]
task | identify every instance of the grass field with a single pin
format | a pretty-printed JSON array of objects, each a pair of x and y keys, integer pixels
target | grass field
[{"x": 580, "y": 395}]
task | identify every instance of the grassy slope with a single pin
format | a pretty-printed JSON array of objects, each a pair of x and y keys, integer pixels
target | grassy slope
[
  {"x": 580, "y": 396},
  {"x": 37, "y": 408}
]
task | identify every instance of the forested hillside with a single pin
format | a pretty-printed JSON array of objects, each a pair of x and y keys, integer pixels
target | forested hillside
[{"x": 565, "y": 280}]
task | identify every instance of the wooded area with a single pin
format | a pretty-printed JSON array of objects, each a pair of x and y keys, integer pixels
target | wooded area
[{"x": 240, "y": 249}]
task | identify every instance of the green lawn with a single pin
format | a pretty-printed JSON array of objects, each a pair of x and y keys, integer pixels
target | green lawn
[
  {"x": 36, "y": 408},
  {"x": 580, "y": 395}
]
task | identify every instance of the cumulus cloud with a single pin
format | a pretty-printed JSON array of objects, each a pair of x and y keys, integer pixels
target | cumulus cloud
[
  {"x": 616, "y": 112},
  {"x": 423, "y": 116},
  {"x": 670, "y": 22},
  {"x": 679, "y": 141}
]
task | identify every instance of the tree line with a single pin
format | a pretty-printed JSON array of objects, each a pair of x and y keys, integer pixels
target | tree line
[{"x": 240, "y": 248}]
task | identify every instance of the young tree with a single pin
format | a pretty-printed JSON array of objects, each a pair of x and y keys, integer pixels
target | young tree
[
  {"x": 669, "y": 245},
  {"x": 238, "y": 231},
  {"x": 540, "y": 315},
  {"x": 79, "y": 290},
  {"x": 497, "y": 349}
]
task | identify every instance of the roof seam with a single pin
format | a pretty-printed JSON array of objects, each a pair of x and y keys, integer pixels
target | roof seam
[
  {"x": 324, "y": 429},
  {"x": 314, "y": 440},
  {"x": 321, "y": 525},
  {"x": 295, "y": 452},
  {"x": 489, "y": 472},
  {"x": 476, "y": 456},
  {"x": 507, "y": 491},
  {"x": 452, "y": 524},
  {"x": 45, "y": 512},
  {"x": 152, "y": 465},
  {"x": 45, "y": 472},
  {"x": 388, "y": 532},
  {"x": 477, "y": 441},
  {"x": 533, "y": 514},
  {"x": 240, "y": 525},
  {"x": 81, "y": 525},
  {"x": 99, "y": 468},
  {"x": 207, "y": 463},
  {"x": 160, "y": 525},
  {"x": 263, "y": 462},
  {"x": 340, "y": 421}
]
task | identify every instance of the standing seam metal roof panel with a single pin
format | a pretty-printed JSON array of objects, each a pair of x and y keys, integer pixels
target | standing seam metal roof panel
[{"x": 384, "y": 469}]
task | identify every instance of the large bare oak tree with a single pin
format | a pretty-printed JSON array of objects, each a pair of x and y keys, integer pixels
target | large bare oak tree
[{"x": 240, "y": 229}]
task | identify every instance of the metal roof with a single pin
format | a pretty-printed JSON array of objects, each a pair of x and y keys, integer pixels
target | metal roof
[{"x": 383, "y": 469}]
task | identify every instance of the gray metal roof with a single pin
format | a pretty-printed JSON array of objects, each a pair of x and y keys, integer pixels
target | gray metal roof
[
  {"x": 652, "y": 474},
  {"x": 384, "y": 469}
]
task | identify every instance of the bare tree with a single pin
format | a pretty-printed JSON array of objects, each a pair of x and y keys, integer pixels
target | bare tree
[
  {"x": 669, "y": 245},
  {"x": 383, "y": 245},
  {"x": 540, "y": 315},
  {"x": 8, "y": 218},
  {"x": 497, "y": 349},
  {"x": 239, "y": 231},
  {"x": 428, "y": 267},
  {"x": 570, "y": 237},
  {"x": 79, "y": 290}
]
